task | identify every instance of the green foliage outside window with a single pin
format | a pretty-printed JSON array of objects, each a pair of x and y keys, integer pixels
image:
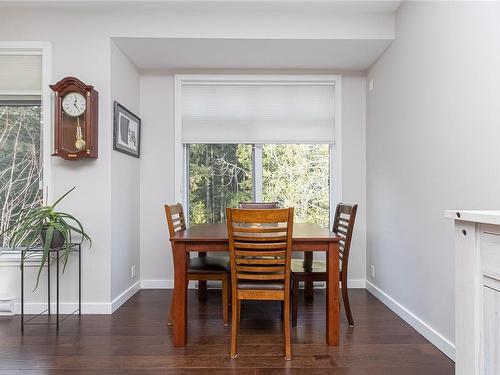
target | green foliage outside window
[
  {"x": 294, "y": 175},
  {"x": 297, "y": 175},
  {"x": 220, "y": 176}
]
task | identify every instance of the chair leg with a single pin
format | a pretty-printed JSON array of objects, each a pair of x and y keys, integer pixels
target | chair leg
[
  {"x": 345, "y": 297},
  {"x": 295, "y": 300},
  {"x": 308, "y": 283},
  {"x": 225, "y": 307},
  {"x": 202, "y": 290},
  {"x": 234, "y": 327},
  {"x": 169, "y": 318},
  {"x": 287, "y": 329},
  {"x": 239, "y": 310}
]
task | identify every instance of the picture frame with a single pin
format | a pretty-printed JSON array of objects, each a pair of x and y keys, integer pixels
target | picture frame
[{"x": 126, "y": 131}]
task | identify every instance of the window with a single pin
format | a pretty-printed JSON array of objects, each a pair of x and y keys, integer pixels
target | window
[
  {"x": 258, "y": 138},
  {"x": 21, "y": 150},
  {"x": 294, "y": 175},
  {"x": 20, "y": 168}
]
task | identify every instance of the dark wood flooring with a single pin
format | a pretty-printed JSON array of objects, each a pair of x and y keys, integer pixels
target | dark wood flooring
[{"x": 136, "y": 340}]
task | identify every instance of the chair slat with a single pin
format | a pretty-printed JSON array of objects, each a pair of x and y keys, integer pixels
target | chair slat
[
  {"x": 262, "y": 269},
  {"x": 261, "y": 246},
  {"x": 258, "y": 216},
  {"x": 342, "y": 232},
  {"x": 261, "y": 253},
  {"x": 245, "y": 276},
  {"x": 268, "y": 239},
  {"x": 258, "y": 205},
  {"x": 346, "y": 227},
  {"x": 271, "y": 260},
  {"x": 260, "y": 229}
]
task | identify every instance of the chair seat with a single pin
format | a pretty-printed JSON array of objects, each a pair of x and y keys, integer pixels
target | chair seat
[
  {"x": 316, "y": 266},
  {"x": 261, "y": 285},
  {"x": 208, "y": 264}
]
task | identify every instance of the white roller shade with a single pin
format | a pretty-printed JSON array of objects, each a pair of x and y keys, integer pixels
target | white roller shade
[
  {"x": 20, "y": 75},
  {"x": 257, "y": 113}
]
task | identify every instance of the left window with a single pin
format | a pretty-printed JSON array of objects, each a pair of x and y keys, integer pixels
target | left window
[{"x": 21, "y": 150}]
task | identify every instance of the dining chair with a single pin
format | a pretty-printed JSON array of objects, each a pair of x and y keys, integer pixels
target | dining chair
[
  {"x": 201, "y": 268},
  {"x": 315, "y": 270},
  {"x": 258, "y": 205},
  {"x": 260, "y": 248}
]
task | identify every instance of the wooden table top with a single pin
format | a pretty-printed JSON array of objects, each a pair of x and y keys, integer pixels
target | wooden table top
[{"x": 218, "y": 233}]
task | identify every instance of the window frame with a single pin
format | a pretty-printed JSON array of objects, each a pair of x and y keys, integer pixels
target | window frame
[
  {"x": 181, "y": 175},
  {"x": 43, "y": 49}
]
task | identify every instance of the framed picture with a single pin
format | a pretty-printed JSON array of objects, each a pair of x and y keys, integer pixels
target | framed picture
[{"x": 126, "y": 131}]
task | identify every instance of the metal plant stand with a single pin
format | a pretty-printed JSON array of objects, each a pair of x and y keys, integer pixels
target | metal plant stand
[{"x": 75, "y": 247}]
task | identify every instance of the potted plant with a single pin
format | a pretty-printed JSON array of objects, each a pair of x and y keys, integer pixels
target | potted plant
[{"x": 53, "y": 228}]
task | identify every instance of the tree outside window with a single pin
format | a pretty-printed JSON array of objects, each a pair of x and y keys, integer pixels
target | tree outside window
[
  {"x": 294, "y": 175},
  {"x": 20, "y": 162}
]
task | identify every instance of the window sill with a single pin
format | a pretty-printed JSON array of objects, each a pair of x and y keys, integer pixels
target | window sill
[{"x": 13, "y": 259}]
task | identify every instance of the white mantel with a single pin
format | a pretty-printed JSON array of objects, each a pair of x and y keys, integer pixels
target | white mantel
[{"x": 477, "y": 291}]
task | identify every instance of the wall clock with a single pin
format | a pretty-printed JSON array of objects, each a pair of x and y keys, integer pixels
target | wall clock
[{"x": 76, "y": 117}]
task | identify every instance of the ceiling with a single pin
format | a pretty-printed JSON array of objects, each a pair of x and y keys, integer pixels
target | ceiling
[
  {"x": 386, "y": 6},
  {"x": 199, "y": 53}
]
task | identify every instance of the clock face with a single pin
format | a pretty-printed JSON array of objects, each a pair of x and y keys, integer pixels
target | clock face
[{"x": 74, "y": 104}]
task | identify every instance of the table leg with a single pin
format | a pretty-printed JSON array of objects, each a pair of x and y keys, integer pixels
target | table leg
[
  {"x": 202, "y": 284},
  {"x": 332, "y": 295},
  {"x": 308, "y": 284},
  {"x": 179, "y": 310}
]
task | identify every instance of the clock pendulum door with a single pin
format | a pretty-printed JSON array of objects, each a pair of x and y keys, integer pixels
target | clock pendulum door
[{"x": 79, "y": 143}]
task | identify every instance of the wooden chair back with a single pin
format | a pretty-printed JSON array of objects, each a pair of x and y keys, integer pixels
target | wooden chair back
[
  {"x": 343, "y": 226},
  {"x": 260, "y": 244},
  {"x": 260, "y": 205},
  {"x": 175, "y": 218}
]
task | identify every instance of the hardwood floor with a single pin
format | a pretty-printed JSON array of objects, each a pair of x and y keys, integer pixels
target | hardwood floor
[{"x": 137, "y": 340}]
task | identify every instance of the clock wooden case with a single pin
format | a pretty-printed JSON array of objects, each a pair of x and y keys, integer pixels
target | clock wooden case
[{"x": 76, "y": 117}]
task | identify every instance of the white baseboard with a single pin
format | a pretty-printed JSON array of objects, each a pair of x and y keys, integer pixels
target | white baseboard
[
  {"x": 436, "y": 338},
  {"x": 122, "y": 298},
  {"x": 356, "y": 283},
  {"x": 65, "y": 307},
  {"x": 169, "y": 284},
  {"x": 87, "y": 307}
]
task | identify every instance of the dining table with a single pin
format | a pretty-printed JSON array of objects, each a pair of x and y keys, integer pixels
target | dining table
[{"x": 307, "y": 238}]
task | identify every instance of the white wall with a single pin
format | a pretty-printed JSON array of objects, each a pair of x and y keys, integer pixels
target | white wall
[
  {"x": 157, "y": 171},
  {"x": 125, "y": 246},
  {"x": 157, "y": 178},
  {"x": 90, "y": 202},
  {"x": 432, "y": 144},
  {"x": 354, "y": 169},
  {"x": 87, "y": 53}
]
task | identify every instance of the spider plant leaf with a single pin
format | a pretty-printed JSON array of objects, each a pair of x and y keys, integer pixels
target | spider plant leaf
[
  {"x": 79, "y": 230},
  {"x": 61, "y": 198},
  {"x": 46, "y": 251}
]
